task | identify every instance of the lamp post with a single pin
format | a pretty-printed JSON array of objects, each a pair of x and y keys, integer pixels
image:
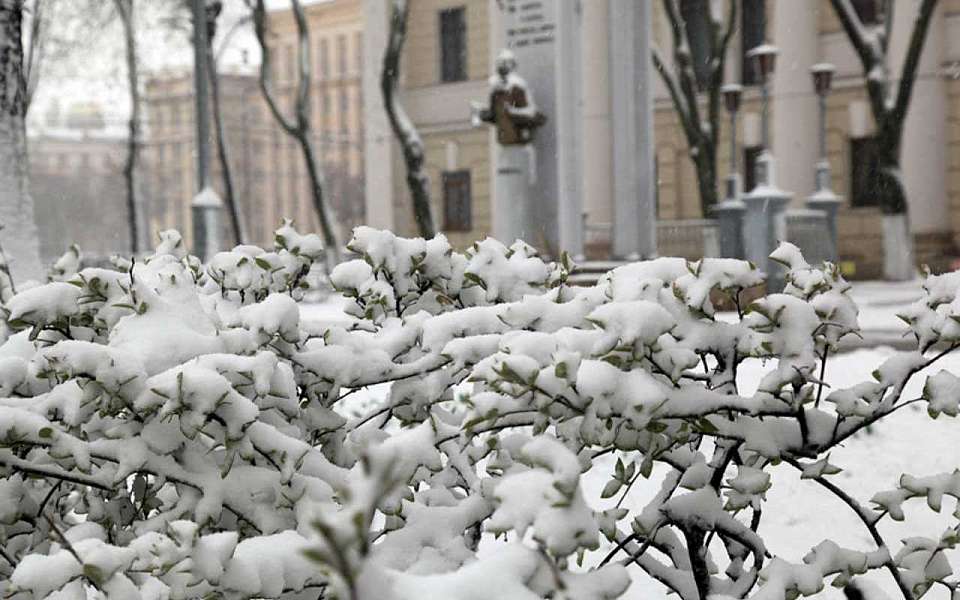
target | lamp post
[
  {"x": 206, "y": 205},
  {"x": 823, "y": 199},
  {"x": 822, "y": 78},
  {"x": 731, "y": 100},
  {"x": 765, "y": 223},
  {"x": 765, "y": 57},
  {"x": 729, "y": 212}
]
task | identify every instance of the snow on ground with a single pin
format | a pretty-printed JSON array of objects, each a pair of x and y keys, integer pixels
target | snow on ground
[{"x": 799, "y": 513}]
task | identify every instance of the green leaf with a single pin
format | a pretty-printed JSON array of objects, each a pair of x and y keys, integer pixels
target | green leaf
[
  {"x": 656, "y": 426},
  {"x": 94, "y": 574},
  {"x": 705, "y": 426},
  {"x": 560, "y": 370},
  {"x": 45, "y": 433},
  {"x": 612, "y": 487}
]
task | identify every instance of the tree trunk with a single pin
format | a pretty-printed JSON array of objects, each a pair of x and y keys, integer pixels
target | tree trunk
[
  {"x": 299, "y": 128},
  {"x": 705, "y": 162},
  {"x": 413, "y": 155},
  {"x": 316, "y": 186},
  {"x": 125, "y": 10},
  {"x": 19, "y": 236},
  {"x": 223, "y": 155}
]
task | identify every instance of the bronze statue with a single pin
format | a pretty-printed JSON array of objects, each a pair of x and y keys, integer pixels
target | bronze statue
[{"x": 511, "y": 109}]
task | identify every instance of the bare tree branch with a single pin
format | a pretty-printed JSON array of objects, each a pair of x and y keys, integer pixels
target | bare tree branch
[
  {"x": 299, "y": 127},
  {"x": 413, "y": 153},
  {"x": 869, "y": 56},
  {"x": 912, "y": 60}
]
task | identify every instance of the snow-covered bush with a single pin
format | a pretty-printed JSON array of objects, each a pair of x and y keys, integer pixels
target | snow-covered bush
[{"x": 174, "y": 430}]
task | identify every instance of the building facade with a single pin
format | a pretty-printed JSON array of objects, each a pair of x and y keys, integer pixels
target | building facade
[
  {"x": 807, "y": 33},
  {"x": 269, "y": 175},
  {"x": 450, "y": 49}
]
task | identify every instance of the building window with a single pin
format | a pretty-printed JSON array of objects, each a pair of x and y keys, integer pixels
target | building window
[
  {"x": 867, "y": 11},
  {"x": 865, "y": 189},
  {"x": 324, "y": 59},
  {"x": 696, "y": 19},
  {"x": 456, "y": 200},
  {"x": 751, "y": 155},
  {"x": 342, "y": 55},
  {"x": 453, "y": 44},
  {"x": 344, "y": 109},
  {"x": 753, "y": 23}
]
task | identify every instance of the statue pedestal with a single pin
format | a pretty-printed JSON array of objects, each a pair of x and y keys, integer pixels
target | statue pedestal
[{"x": 512, "y": 212}]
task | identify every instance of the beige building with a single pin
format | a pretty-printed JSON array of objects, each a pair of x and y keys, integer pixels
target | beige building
[{"x": 270, "y": 179}]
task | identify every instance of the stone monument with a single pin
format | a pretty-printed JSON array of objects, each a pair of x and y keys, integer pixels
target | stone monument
[
  {"x": 514, "y": 115},
  {"x": 544, "y": 38}
]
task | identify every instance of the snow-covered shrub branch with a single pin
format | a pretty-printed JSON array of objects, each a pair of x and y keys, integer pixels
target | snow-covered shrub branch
[{"x": 176, "y": 430}]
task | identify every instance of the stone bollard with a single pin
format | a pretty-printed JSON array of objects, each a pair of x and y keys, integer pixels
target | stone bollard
[
  {"x": 729, "y": 215},
  {"x": 764, "y": 226},
  {"x": 828, "y": 202}
]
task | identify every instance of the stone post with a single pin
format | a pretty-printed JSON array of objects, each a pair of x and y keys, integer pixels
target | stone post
[
  {"x": 764, "y": 226},
  {"x": 729, "y": 215},
  {"x": 511, "y": 197}
]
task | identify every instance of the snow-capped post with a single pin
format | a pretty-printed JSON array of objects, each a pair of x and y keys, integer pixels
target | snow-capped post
[
  {"x": 729, "y": 212},
  {"x": 513, "y": 114},
  {"x": 206, "y": 205},
  {"x": 765, "y": 221},
  {"x": 824, "y": 199}
]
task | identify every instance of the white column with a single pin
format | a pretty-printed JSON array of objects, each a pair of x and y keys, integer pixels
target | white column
[
  {"x": 922, "y": 153},
  {"x": 378, "y": 139},
  {"x": 634, "y": 223},
  {"x": 794, "y": 104},
  {"x": 569, "y": 128},
  {"x": 597, "y": 123}
]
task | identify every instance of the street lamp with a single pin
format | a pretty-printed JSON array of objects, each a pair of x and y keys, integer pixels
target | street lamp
[
  {"x": 731, "y": 100},
  {"x": 765, "y": 58},
  {"x": 823, "y": 199},
  {"x": 822, "y": 78},
  {"x": 206, "y": 205}
]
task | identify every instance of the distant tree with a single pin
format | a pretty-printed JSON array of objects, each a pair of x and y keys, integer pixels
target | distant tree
[
  {"x": 297, "y": 127},
  {"x": 403, "y": 128},
  {"x": 236, "y": 220},
  {"x": 19, "y": 231},
  {"x": 889, "y": 104},
  {"x": 125, "y": 12},
  {"x": 690, "y": 75}
]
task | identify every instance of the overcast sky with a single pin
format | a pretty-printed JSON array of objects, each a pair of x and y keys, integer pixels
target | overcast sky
[{"x": 95, "y": 70}]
